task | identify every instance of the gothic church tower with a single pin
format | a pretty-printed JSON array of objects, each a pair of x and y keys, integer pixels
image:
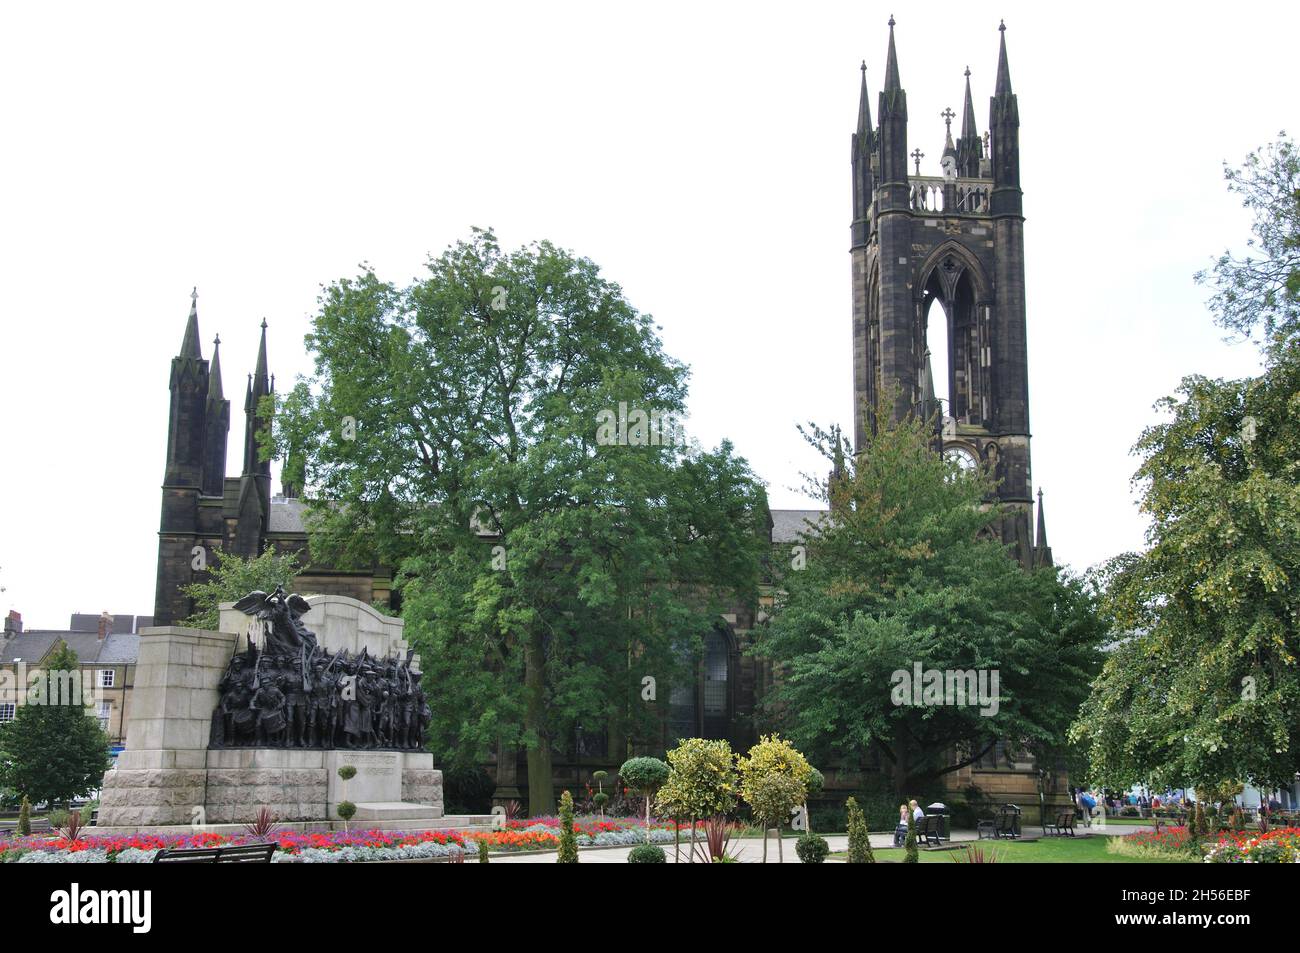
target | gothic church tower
[{"x": 957, "y": 240}]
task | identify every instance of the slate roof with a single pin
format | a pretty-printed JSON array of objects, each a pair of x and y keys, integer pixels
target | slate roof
[
  {"x": 31, "y": 647},
  {"x": 120, "y": 649},
  {"x": 286, "y": 516},
  {"x": 788, "y": 525}
]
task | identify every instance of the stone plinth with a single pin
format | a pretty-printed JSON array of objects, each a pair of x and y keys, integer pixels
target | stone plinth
[
  {"x": 161, "y": 778},
  {"x": 168, "y": 778}
]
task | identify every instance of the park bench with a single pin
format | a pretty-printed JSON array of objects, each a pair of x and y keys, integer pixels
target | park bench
[
  {"x": 1062, "y": 826},
  {"x": 929, "y": 830},
  {"x": 1006, "y": 824},
  {"x": 249, "y": 854}
]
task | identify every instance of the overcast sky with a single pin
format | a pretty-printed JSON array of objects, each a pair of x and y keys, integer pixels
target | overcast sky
[{"x": 697, "y": 152}]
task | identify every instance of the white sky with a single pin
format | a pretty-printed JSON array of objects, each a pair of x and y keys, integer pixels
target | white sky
[{"x": 697, "y": 152}]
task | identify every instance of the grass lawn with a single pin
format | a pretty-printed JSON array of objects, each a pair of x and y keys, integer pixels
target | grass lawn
[{"x": 1056, "y": 850}]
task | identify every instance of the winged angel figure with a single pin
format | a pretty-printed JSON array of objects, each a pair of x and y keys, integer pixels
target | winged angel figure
[{"x": 281, "y": 616}]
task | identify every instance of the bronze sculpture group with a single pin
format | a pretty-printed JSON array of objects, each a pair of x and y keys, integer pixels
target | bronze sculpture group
[{"x": 288, "y": 692}]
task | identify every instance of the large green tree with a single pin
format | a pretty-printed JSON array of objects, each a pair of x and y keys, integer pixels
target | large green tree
[
  {"x": 548, "y": 562},
  {"x": 901, "y": 574},
  {"x": 53, "y": 750},
  {"x": 1205, "y": 690}
]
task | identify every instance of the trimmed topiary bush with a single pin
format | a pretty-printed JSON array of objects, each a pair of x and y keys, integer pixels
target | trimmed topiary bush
[
  {"x": 812, "y": 849},
  {"x": 482, "y": 852},
  {"x": 25, "y": 817},
  {"x": 910, "y": 854},
  {"x": 568, "y": 852},
  {"x": 859, "y": 841},
  {"x": 647, "y": 854},
  {"x": 645, "y": 776}
]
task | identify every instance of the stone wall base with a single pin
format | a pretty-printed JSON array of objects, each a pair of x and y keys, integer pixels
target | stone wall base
[{"x": 150, "y": 789}]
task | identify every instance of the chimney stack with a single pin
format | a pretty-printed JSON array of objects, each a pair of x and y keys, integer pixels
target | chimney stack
[
  {"x": 105, "y": 624},
  {"x": 13, "y": 623}
]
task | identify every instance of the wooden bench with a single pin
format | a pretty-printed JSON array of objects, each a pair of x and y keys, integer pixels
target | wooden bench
[
  {"x": 929, "y": 830},
  {"x": 1063, "y": 826},
  {"x": 250, "y": 854},
  {"x": 1006, "y": 824}
]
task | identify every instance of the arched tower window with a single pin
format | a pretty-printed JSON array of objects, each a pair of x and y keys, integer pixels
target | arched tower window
[{"x": 956, "y": 339}]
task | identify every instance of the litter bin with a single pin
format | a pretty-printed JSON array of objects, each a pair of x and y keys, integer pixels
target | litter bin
[{"x": 942, "y": 811}]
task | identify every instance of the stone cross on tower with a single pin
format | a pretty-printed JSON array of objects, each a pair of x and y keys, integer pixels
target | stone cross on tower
[
  {"x": 917, "y": 156},
  {"x": 948, "y": 116}
]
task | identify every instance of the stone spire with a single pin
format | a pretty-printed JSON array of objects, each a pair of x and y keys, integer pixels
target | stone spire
[
  {"x": 1004, "y": 124},
  {"x": 892, "y": 110},
  {"x": 860, "y": 157},
  {"x": 1003, "y": 87},
  {"x": 970, "y": 148},
  {"x": 1042, "y": 551},
  {"x": 190, "y": 343},
  {"x": 216, "y": 428},
  {"x": 255, "y": 482},
  {"x": 214, "y": 371},
  {"x": 892, "y": 83}
]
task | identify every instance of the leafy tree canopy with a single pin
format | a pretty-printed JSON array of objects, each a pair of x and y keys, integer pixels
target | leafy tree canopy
[
  {"x": 453, "y": 429},
  {"x": 899, "y": 574},
  {"x": 53, "y": 752},
  {"x": 231, "y": 577}
]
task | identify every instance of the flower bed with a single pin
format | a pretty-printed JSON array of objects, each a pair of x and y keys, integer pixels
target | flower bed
[
  {"x": 1281, "y": 846},
  {"x": 1170, "y": 840},
  {"x": 543, "y": 833},
  {"x": 539, "y": 833}
]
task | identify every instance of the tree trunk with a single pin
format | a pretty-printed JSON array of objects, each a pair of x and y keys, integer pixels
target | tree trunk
[
  {"x": 780, "y": 848},
  {"x": 764, "y": 843},
  {"x": 541, "y": 786}
]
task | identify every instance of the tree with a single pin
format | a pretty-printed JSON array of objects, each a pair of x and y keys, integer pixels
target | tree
[
  {"x": 899, "y": 576},
  {"x": 496, "y": 430},
  {"x": 859, "y": 835},
  {"x": 1205, "y": 691},
  {"x": 1259, "y": 293},
  {"x": 774, "y": 781},
  {"x": 568, "y": 850},
  {"x": 645, "y": 776},
  {"x": 910, "y": 853},
  {"x": 231, "y": 577},
  {"x": 701, "y": 782},
  {"x": 54, "y": 751}
]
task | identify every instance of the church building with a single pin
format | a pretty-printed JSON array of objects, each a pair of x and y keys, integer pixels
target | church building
[{"x": 937, "y": 280}]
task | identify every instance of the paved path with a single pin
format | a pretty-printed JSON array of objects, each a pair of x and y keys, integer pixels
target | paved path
[{"x": 750, "y": 849}]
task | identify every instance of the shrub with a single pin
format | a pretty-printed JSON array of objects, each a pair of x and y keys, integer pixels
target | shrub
[
  {"x": 263, "y": 825},
  {"x": 347, "y": 772},
  {"x": 647, "y": 854},
  {"x": 568, "y": 852},
  {"x": 346, "y": 810},
  {"x": 645, "y": 776},
  {"x": 859, "y": 842},
  {"x": 910, "y": 854},
  {"x": 482, "y": 852},
  {"x": 25, "y": 817},
  {"x": 774, "y": 781},
  {"x": 812, "y": 849},
  {"x": 468, "y": 790},
  {"x": 701, "y": 782},
  {"x": 975, "y": 854}
]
